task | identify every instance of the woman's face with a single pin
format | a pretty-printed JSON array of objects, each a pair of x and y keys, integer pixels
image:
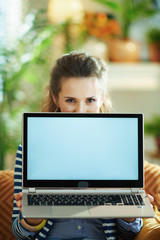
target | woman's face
[{"x": 80, "y": 95}]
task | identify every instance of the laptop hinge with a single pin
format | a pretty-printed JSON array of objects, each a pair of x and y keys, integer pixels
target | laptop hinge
[
  {"x": 134, "y": 190},
  {"x": 31, "y": 190}
]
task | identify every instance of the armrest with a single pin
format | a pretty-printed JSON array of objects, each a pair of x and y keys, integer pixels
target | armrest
[
  {"x": 150, "y": 229},
  {"x": 152, "y": 181}
]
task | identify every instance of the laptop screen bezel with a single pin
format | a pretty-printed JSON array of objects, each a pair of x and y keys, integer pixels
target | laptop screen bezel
[{"x": 88, "y": 183}]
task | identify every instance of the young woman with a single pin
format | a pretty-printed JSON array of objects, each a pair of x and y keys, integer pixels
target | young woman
[{"x": 78, "y": 84}]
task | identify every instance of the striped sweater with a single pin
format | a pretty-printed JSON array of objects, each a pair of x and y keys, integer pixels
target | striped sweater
[{"x": 111, "y": 229}]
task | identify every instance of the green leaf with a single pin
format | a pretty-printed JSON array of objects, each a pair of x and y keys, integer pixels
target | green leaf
[
  {"x": 113, "y": 5},
  {"x": 153, "y": 35},
  {"x": 152, "y": 127}
]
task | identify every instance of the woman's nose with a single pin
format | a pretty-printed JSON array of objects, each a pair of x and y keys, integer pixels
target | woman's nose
[{"x": 81, "y": 108}]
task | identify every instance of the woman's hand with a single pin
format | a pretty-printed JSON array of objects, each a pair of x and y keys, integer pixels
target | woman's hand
[
  {"x": 18, "y": 198},
  {"x": 30, "y": 221},
  {"x": 151, "y": 198},
  {"x": 129, "y": 220}
]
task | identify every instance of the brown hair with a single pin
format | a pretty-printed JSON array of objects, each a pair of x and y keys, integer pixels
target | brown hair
[{"x": 75, "y": 64}]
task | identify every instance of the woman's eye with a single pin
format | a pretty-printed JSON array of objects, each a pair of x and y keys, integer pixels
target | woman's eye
[
  {"x": 70, "y": 100},
  {"x": 91, "y": 100}
]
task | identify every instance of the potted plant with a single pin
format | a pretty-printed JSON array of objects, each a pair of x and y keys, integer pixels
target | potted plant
[
  {"x": 153, "y": 38},
  {"x": 124, "y": 48},
  {"x": 152, "y": 127}
]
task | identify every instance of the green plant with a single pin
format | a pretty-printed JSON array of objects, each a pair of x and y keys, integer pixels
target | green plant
[
  {"x": 153, "y": 35},
  {"x": 152, "y": 127},
  {"x": 130, "y": 11},
  {"x": 24, "y": 71},
  {"x": 109, "y": 3}
]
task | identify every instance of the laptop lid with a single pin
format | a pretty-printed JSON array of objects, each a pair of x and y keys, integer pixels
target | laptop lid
[{"x": 93, "y": 150}]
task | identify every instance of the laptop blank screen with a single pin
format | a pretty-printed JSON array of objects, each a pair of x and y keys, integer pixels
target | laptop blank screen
[{"x": 82, "y": 147}]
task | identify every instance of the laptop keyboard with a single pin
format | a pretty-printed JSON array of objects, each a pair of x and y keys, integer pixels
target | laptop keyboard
[{"x": 84, "y": 199}]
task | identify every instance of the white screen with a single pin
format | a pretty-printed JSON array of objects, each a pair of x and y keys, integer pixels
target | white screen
[{"x": 82, "y": 148}]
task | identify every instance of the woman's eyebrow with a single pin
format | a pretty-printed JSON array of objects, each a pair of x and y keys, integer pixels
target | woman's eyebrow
[
  {"x": 91, "y": 97},
  {"x": 69, "y": 97}
]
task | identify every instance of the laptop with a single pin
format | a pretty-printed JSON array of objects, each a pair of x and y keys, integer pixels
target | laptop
[{"x": 83, "y": 165}]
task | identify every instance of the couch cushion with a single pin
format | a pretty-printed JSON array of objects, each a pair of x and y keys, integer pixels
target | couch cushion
[{"x": 6, "y": 204}]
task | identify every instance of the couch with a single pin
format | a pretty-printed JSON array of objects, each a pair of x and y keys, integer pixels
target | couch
[{"x": 150, "y": 230}]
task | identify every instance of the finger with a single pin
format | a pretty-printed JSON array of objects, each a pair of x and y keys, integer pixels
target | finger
[
  {"x": 151, "y": 198},
  {"x": 18, "y": 196},
  {"x": 19, "y": 204}
]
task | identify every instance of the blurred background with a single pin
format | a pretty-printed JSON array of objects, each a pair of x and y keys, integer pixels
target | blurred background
[{"x": 33, "y": 34}]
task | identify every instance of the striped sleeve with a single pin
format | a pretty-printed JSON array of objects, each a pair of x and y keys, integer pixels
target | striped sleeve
[
  {"x": 126, "y": 235},
  {"x": 114, "y": 230},
  {"x": 17, "y": 231},
  {"x": 109, "y": 227},
  {"x": 16, "y": 228}
]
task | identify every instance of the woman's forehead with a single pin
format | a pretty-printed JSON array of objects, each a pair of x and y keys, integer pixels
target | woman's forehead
[
  {"x": 75, "y": 82},
  {"x": 77, "y": 86}
]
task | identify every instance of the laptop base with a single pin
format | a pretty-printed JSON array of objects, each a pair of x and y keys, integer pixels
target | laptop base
[{"x": 125, "y": 211}]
